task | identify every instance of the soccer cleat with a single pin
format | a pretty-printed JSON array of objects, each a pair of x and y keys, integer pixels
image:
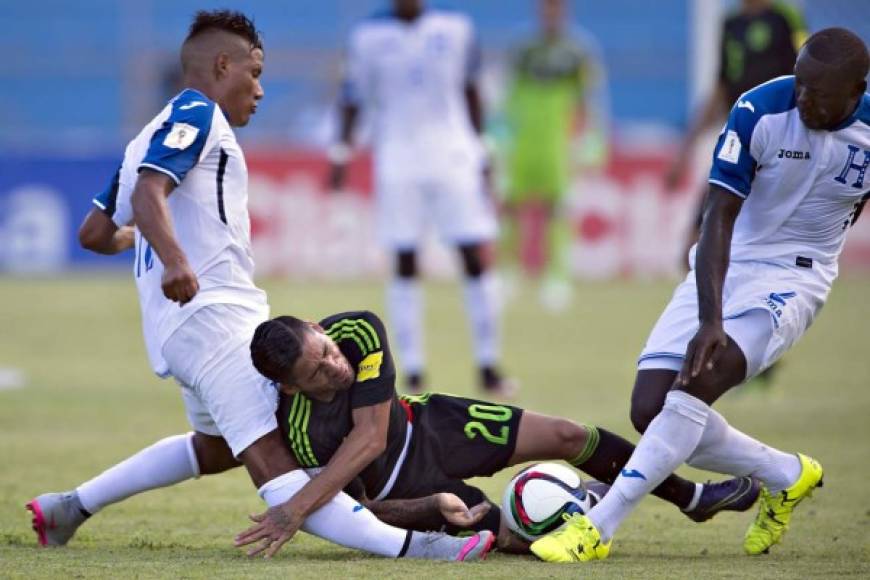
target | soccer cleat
[
  {"x": 577, "y": 541},
  {"x": 774, "y": 512},
  {"x": 476, "y": 547},
  {"x": 56, "y": 517},
  {"x": 597, "y": 490},
  {"x": 495, "y": 385},
  {"x": 415, "y": 383},
  {"x": 440, "y": 546},
  {"x": 737, "y": 494}
]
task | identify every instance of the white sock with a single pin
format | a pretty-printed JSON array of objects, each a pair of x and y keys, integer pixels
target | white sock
[
  {"x": 342, "y": 521},
  {"x": 483, "y": 310},
  {"x": 405, "y": 305},
  {"x": 724, "y": 449},
  {"x": 670, "y": 438},
  {"x": 167, "y": 462}
]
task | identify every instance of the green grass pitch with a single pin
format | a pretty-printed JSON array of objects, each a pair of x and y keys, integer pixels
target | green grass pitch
[{"x": 90, "y": 400}]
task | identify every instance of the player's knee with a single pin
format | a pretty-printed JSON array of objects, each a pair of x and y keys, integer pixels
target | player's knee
[
  {"x": 406, "y": 264},
  {"x": 474, "y": 259},
  {"x": 212, "y": 454},
  {"x": 642, "y": 414},
  {"x": 571, "y": 438}
]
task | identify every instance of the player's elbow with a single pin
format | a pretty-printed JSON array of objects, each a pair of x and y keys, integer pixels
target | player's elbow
[
  {"x": 374, "y": 444},
  {"x": 95, "y": 239}
]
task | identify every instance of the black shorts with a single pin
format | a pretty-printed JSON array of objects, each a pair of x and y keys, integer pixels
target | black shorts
[{"x": 454, "y": 439}]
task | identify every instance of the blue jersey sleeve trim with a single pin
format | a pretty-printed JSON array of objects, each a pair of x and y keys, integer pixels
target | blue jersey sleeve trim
[
  {"x": 107, "y": 199},
  {"x": 168, "y": 172},
  {"x": 724, "y": 185},
  {"x": 171, "y": 150}
]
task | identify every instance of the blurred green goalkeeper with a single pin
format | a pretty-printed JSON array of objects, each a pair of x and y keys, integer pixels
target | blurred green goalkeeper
[{"x": 558, "y": 91}]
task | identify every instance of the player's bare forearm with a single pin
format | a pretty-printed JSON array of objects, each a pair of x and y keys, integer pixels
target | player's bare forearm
[
  {"x": 714, "y": 250},
  {"x": 714, "y": 109},
  {"x": 366, "y": 441},
  {"x": 99, "y": 234},
  {"x": 475, "y": 107},
  {"x": 151, "y": 214},
  {"x": 421, "y": 513}
]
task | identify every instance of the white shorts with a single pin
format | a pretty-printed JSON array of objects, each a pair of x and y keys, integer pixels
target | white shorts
[
  {"x": 454, "y": 201},
  {"x": 766, "y": 308},
  {"x": 224, "y": 395}
]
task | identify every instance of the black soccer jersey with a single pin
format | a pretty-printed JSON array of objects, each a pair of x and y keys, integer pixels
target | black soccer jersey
[
  {"x": 314, "y": 430},
  {"x": 759, "y": 47}
]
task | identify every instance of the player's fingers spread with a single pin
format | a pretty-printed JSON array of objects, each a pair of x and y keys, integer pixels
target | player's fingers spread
[
  {"x": 260, "y": 547},
  {"x": 276, "y": 545},
  {"x": 686, "y": 369},
  {"x": 702, "y": 355}
]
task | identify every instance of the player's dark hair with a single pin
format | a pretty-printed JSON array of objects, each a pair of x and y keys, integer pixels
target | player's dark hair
[
  {"x": 277, "y": 345},
  {"x": 231, "y": 21},
  {"x": 842, "y": 49}
]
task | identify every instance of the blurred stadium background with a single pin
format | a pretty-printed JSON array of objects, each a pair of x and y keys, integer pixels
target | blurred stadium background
[
  {"x": 85, "y": 79},
  {"x": 81, "y": 78}
]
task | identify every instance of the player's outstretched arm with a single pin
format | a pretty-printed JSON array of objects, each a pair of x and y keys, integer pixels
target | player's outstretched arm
[
  {"x": 151, "y": 214},
  {"x": 99, "y": 234},
  {"x": 428, "y": 512},
  {"x": 711, "y": 264},
  {"x": 366, "y": 441},
  {"x": 268, "y": 456}
]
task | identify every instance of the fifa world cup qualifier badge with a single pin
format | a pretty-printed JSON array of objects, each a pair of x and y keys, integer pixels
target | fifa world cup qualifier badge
[
  {"x": 181, "y": 136},
  {"x": 730, "y": 150}
]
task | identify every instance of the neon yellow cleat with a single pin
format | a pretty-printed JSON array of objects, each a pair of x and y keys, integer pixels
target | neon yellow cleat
[
  {"x": 577, "y": 541},
  {"x": 774, "y": 511}
]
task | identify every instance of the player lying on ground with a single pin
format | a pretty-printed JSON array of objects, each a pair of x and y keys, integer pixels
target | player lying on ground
[
  {"x": 183, "y": 182},
  {"x": 332, "y": 373},
  {"x": 788, "y": 180}
]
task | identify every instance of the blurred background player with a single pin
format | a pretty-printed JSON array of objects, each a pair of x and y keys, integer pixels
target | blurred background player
[
  {"x": 416, "y": 70},
  {"x": 759, "y": 42},
  {"x": 558, "y": 87}
]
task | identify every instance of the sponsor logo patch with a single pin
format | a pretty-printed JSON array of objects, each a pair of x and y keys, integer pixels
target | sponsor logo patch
[
  {"x": 730, "y": 150},
  {"x": 181, "y": 136},
  {"x": 192, "y": 105},
  {"x": 370, "y": 367}
]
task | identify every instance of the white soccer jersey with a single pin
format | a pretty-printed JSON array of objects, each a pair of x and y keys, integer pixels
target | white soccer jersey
[
  {"x": 803, "y": 188},
  {"x": 411, "y": 76},
  {"x": 191, "y": 142}
]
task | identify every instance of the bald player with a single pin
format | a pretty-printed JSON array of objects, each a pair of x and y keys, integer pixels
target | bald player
[
  {"x": 183, "y": 182},
  {"x": 789, "y": 178}
]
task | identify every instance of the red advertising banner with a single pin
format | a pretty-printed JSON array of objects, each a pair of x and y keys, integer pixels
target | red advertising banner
[{"x": 625, "y": 223}]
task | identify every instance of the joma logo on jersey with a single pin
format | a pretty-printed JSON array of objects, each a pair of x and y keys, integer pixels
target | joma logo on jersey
[{"x": 787, "y": 154}]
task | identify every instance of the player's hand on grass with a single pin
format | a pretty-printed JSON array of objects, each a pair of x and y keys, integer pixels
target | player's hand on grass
[
  {"x": 179, "y": 282},
  {"x": 457, "y": 513},
  {"x": 703, "y": 351},
  {"x": 271, "y": 530}
]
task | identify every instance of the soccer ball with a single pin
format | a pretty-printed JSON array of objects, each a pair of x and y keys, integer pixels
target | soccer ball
[{"x": 536, "y": 498}]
